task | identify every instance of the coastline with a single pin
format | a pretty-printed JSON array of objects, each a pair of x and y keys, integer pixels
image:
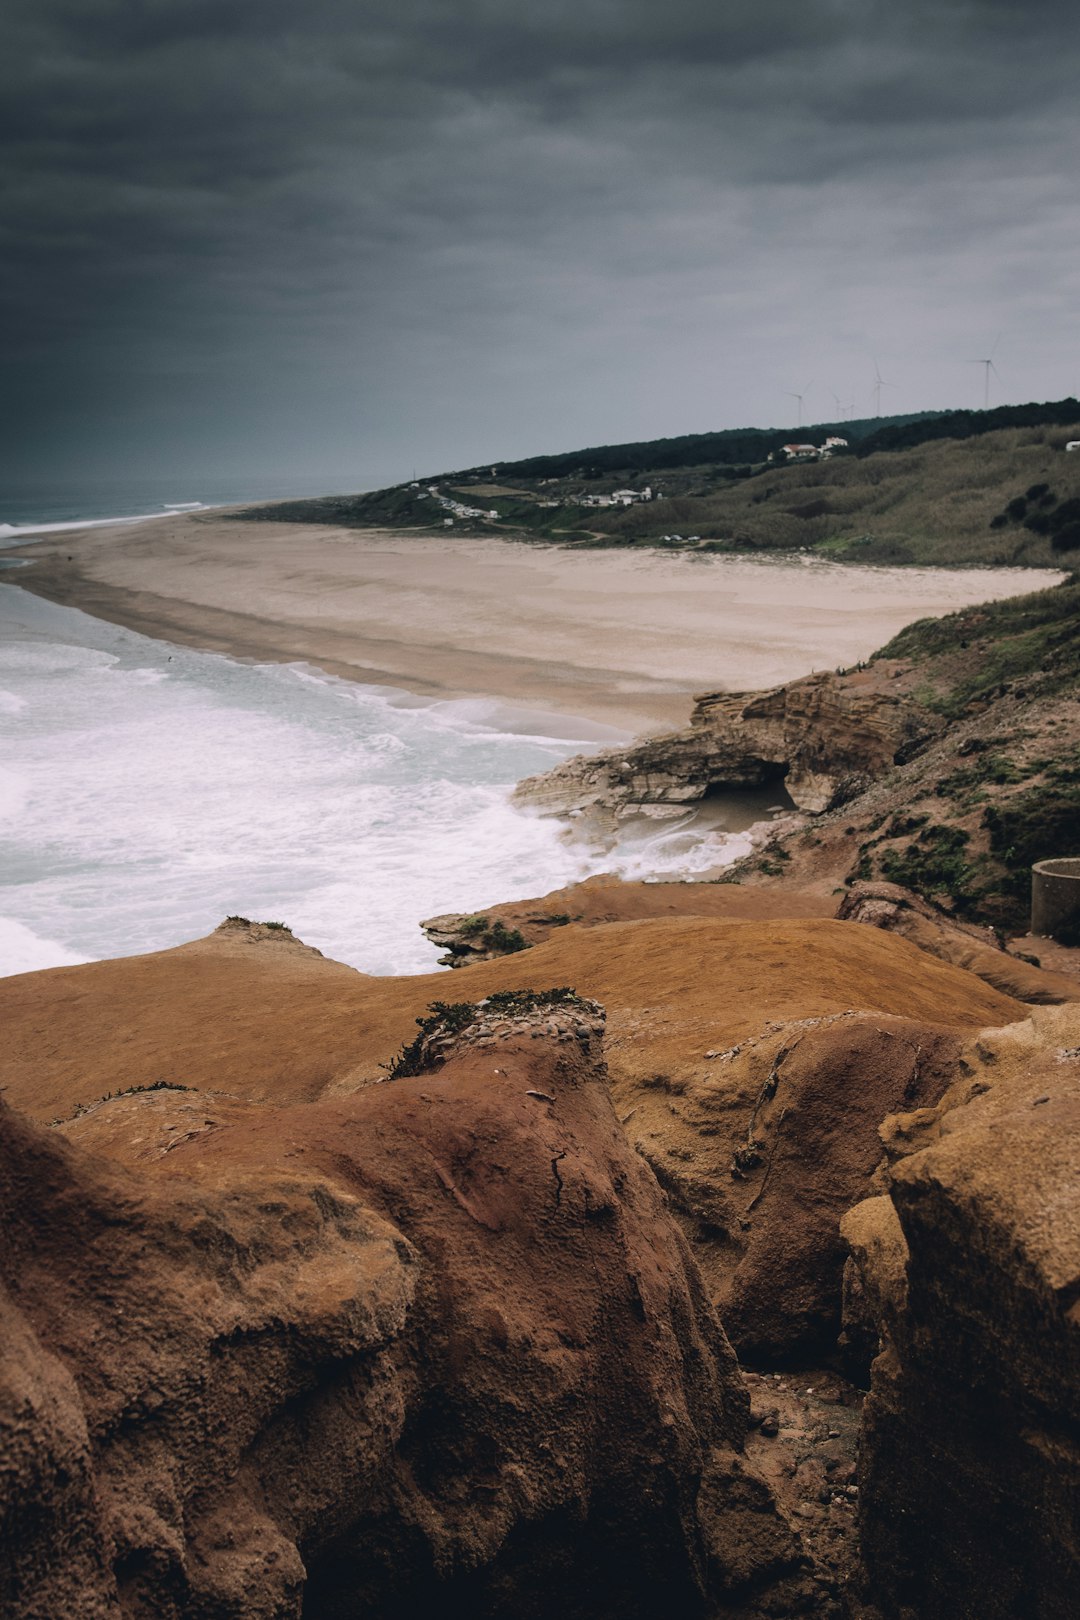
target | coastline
[{"x": 623, "y": 639}]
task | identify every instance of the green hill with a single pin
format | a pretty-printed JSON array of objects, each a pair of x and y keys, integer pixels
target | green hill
[{"x": 961, "y": 488}]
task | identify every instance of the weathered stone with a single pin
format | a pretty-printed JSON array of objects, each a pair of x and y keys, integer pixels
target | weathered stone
[
  {"x": 436, "y": 1346},
  {"x": 970, "y": 1476},
  {"x": 827, "y": 736}
]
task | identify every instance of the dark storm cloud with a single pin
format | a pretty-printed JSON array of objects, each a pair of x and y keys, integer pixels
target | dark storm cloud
[{"x": 255, "y": 228}]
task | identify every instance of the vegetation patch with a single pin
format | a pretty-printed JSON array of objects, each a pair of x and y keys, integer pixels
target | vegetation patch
[
  {"x": 124, "y": 1091},
  {"x": 997, "y": 644},
  {"x": 446, "y": 1018},
  {"x": 1036, "y": 825},
  {"x": 936, "y": 864},
  {"x": 492, "y": 936},
  {"x": 967, "y": 784}
]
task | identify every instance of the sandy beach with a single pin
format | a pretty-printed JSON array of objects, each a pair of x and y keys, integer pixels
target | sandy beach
[{"x": 623, "y": 638}]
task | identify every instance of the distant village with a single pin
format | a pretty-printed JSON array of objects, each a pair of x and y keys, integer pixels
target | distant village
[
  {"x": 618, "y": 497},
  {"x": 810, "y": 452},
  {"x": 457, "y": 509}
]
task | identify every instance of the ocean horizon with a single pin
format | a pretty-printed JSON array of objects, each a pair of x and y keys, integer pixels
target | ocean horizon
[{"x": 30, "y": 505}]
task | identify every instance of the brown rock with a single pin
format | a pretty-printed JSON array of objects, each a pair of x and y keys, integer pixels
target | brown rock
[
  {"x": 970, "y": 1475},
  {"x": 888, "y": 906},
  {"x": 827, "y": 736},
  {"x": 428, "y": 1346}
]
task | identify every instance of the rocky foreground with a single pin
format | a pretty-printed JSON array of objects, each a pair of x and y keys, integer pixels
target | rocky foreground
[{"x": 312, "y": 1312}]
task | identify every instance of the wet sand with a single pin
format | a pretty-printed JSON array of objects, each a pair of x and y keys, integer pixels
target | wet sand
[{"x": 623, "y": 638}]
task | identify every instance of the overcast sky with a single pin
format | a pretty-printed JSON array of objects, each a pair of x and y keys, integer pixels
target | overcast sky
[{"x": 358, "y": 237}]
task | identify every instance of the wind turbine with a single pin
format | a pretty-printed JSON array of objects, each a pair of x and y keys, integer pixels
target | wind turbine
[
  {"x": 792, "y": 395},
  {"x": 989, "y": 367},
  {"x": 879, "y": 384},
  {"x": 839, "y": 407}
]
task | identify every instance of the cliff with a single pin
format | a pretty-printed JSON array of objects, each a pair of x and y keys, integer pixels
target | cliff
[
  {"x": 310, "y": 1310},
  {"x": 948, "y": 766},
  {"x": 436, "y": 1345},
  {"x": 967, "y": 1266},
  {"x": 825, "y": 737}
]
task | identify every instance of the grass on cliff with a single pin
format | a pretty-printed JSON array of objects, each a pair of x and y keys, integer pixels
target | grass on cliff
[
  {"x": 994, "y": 793},
  {"x": 971, "y": 655},
  {"x": 445, "y": 1018}
]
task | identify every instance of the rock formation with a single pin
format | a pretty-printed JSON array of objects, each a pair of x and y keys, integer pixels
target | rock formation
[
  {"x": 503, "y": 929},
  {"x": 296, "y": 1326},
  {"x": 435, "y": 1346},
  {"x": 968, "y": 1265},
  {"x": 888, "y": 906},
  {"x": 689, "y": 1055},
  {"x": 825, "y": 736}
]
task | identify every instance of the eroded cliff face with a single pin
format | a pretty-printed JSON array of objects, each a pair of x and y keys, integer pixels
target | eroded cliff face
[
  {"x": 968, "y": 1267},
  {"x": 437, "y": 1345},
  {"x": 826, "y": 737}
]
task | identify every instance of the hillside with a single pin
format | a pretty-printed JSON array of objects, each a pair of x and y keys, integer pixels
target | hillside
[{"x": 963, "y": 489}]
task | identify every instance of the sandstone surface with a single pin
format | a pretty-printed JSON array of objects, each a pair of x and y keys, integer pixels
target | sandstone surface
[
  {"x": 825, "y": 736},
  {"x": 969, "y": 1265},
  {"x": 607, "y": 899},
  {"x": 889, "y": 906},
  {"x": 434, "y": 1346},
  {"x": 836, "y": 1010}
]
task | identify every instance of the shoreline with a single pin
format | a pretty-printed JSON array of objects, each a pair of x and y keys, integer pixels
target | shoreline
[{"x": 619, "y": 638}]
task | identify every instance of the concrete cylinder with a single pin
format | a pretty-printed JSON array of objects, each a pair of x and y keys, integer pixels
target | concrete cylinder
[{"x": 1055, "y": 897}]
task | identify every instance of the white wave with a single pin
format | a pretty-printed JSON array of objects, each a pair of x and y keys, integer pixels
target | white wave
[
  {"x": 167, "y": 788},
  {"x": 23, "y": 951},
  {"x": 12, "y": 533}
]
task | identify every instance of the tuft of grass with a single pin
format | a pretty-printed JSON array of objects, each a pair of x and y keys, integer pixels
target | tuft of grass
[
  {"x": 451, "y": 1017},
  {"x": 123, "y": 1091}
]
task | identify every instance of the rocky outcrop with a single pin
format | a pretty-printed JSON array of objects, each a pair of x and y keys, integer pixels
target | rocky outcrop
[
  {"x": 968, "y": 1265},
  {"x": 436, "y": 1346},
  {"x": 503, "y": 929},
  {"x": 826, "y": 736},
  {"x": 966, "y": 945},
  {"x": 765, "y": 1153}
]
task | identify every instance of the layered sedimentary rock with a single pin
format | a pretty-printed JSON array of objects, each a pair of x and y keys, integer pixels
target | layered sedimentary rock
[
  {"x": 969, "y": 1267},
  {"x": 435, "y": 1346},
  {"x": 826, "y": 736}
]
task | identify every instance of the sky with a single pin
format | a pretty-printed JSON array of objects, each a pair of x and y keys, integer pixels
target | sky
[{"x": 363, "y": 239}]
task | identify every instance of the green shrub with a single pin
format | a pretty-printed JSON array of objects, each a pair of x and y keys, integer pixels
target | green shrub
[
  {"x": 504, "y": 940},
  {"x": 450, "y": 1017},
  {"x": 936, "y": 864}
]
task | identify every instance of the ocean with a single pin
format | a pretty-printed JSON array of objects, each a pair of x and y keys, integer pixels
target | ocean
[
  {"x": 33, "y": 506},
  {"x": 148, "y": 791}
]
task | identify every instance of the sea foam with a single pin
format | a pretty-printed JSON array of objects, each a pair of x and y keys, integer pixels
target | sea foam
[{"x": 150, "y": 790}]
